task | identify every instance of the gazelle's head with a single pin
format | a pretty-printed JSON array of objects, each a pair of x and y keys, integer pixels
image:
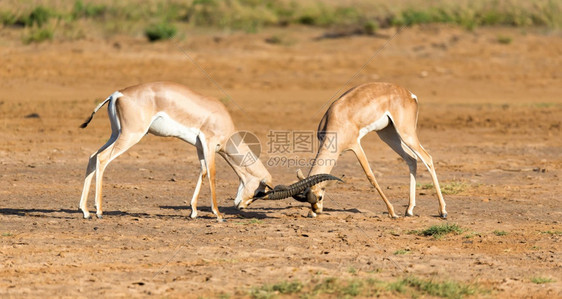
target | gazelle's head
[
  {"x": 250, "y": 191},
  {"x": 315, "y": 196}
]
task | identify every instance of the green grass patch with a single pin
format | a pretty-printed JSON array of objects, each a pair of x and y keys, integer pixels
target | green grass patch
[
  {"x": 250, "y": 222},
  {"x": 88, "y": 10},
  {"x": 438, "y": 231},
  {"x": 402, "y": 251},
  {"x": 504, "y": 39},
  {"x": 472, "y": 235},
  {"x": 357, "y": 17},
  {"x": 449, "y": 188},
  {"x": 500, "y": 233},
  {"x": 445, "y": 289},
  {"x": 541, "y": 280},
  {"x": 270, "y": 291},
  {"x": 37, "y": 35},
  {"x": 39, "y": 16},
  {"x": 551, "y": 232},
  {"x": 160, "y": 31},
  {"x": 7, "y": 234},
  {"x": 368, "y": 287},
  {"x": 453, "y": 188}
]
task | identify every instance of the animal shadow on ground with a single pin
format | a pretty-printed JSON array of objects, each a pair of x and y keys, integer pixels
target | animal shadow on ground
[
  {"x": 224, "y": 210},
  {"x": 59, "y": 213}
]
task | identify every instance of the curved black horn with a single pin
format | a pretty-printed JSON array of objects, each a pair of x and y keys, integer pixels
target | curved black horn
[{"x": 282, "y": 192}]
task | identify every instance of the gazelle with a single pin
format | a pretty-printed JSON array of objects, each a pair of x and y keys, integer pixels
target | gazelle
[
  {"x": 172, "y": 110},
  {"x": 385, "y": 108}
]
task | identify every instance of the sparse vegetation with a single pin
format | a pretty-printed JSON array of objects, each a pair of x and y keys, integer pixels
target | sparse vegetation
[
  {"x": 88, "y": 10},
  {"x": 361, "y": 17},
  {"x": 402, "y": 251},
  {"x": 504, "y": 39},
  {"x": 500, "y": 233},
  {"x": 541, "y": 280},
  {"x": 446, "y": 289},
  {"x": 438, "y": 231},
  {"x": 550, "y": 232},
  {"x": 450, "y": 188},
  {"x": 251, "y": 221},
  {"x": 160, "y": 31},
  {"x": 368, "y": 287},
  {"x": 472, "y": 235},
  {"x": 37, "y": 35},
  {"x": 269, "y": 291}
]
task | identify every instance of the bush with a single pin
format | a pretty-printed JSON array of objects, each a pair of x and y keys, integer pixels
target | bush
[
  {"x": 7, "y": 18},
  {"x": 87, "y": 10},
  {"x": 38, "y": 35},
  {"x": 38, "y": 16},
  {"x": 160, "y": 31}
]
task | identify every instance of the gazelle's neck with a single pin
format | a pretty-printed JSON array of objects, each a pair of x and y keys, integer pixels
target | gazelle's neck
[
  {"x": 248, "y": 167},
  {"x": 324, "y": 162}
]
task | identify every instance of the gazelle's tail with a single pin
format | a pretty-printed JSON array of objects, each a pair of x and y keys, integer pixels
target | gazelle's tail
[{"x": 112, "y": 97}]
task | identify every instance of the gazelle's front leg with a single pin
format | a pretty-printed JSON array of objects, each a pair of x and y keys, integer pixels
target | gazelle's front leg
[
  {"x": 210, "y": 154},
  {"x": 202, "y": 175},
  {"x": 358, "y": 150}
]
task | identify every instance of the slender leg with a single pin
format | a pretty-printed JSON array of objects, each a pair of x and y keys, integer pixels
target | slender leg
[
  {"x": 209, "y": 152},
  {"x": 391, "y": 137},
  {"x": 122, "y": 144},
  {"x": 358, "y": 150},
  {"x": 428, "y": 161},
  {"x": 413, "y": 143},
  {"x": 91, "y": 170},
  {"x": 202, "y": 175}
]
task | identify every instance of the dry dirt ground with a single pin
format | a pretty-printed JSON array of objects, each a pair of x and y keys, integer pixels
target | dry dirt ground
[{"x": 490, "y": 114}]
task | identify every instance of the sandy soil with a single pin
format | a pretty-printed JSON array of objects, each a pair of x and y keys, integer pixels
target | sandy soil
[{"x": 490, "y": 115}]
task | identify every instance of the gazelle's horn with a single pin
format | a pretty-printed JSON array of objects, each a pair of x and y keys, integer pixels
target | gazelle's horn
[{"x": 282, "y": 192}]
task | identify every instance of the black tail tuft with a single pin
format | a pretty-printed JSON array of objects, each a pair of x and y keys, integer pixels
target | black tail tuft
[{"x": 85, "y": 124}]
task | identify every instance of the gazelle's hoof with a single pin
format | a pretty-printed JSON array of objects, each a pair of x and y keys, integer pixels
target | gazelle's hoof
[
  {"x": 99, "y": 216},
  {"x": 193, "y": 215},
  {"x": 221, "y": 220},
  {"x": 443, "y": 215},
  {"x": 87, "y": 216},
  {"x": 408, "y": 214},
  {"x": 311, "y": 214}
]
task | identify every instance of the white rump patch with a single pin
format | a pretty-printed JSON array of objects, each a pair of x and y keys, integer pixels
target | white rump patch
[
  {"x": 377, "y": 125},
  {"x": 116, "y": 95},
  {"x": 163, "y": 125}
]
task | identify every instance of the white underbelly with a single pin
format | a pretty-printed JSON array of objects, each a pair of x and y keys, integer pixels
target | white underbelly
[
  {"x": 163, "y": 125},
  {"x": 377, "y": 125}
]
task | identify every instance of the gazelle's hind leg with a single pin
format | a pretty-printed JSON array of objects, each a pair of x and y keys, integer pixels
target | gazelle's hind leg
[
  {"x": 391, "y": 137},
  {"x": 122, "y": 144},
  {"x": 358, "y": 150},
  {"x": 410, "y": 138},
  {"x": 202, "y": 175},
  {"x": 90, "y": 171}
]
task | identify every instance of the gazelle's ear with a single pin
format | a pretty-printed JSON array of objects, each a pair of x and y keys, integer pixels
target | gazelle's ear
[{"x": 300, "y": 175}]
